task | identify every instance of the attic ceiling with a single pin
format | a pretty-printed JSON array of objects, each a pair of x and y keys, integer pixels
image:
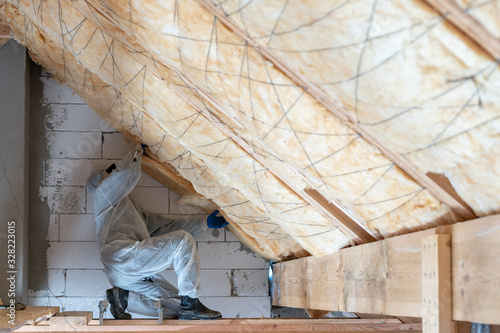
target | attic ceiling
[{"x": 311, "y": 125}]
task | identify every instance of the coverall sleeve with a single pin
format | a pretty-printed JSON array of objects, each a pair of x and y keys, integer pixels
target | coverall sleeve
[
  {"x": 118, "y": 184},
  {"x": 159, "y": 225}
]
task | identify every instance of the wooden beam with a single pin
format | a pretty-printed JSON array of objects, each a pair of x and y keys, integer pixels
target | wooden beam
[
  {"x": 404, "y": 320},
  {"x": 384, "y": 277},
  {"x": 234, "y": 325},
  {"x": 436, "y": 284},
  {"x": 468, "y": 25},
  {"x": 463, "y": 212},
  {"x": 71, "y": 318},
  {"x": 331, "y": 210},
  {"x": 359, "y": 233}
]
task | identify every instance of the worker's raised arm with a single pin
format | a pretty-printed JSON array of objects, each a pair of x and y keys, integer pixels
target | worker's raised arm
[
  {"x": 109, "y": 189},
  {"x": 159, "y": 225}
]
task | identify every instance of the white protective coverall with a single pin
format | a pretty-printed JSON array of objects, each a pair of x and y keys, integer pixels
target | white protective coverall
[{"x": 136, "y": 245}]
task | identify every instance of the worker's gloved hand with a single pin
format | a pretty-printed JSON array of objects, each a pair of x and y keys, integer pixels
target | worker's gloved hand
[
  {"x": 216, "y": 222},
  {"x": 143, "y": 146}
]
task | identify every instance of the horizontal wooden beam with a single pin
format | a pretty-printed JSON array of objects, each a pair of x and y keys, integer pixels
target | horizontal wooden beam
[
  {"x": 235, "y": 325},
  {"x": 468, "y": 25},
  {"x": 384, "y": 277}
]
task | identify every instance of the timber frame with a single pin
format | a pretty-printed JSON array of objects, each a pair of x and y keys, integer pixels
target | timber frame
[{"x": 450, "y": 273}]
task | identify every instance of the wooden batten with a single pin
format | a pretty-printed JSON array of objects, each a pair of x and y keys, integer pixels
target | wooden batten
[
  {"x": 236, "y": 325},
  {"x": 468, "y": 25},
  {"x": 71, "y": 318}
]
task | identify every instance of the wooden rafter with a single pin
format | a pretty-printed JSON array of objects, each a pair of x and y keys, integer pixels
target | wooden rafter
[
  {"x": 462, "y": 211},
  {"x": 332, "y": 211},
  {"x": 385, "y": 277},
  {"x": 468, "y": 25}
]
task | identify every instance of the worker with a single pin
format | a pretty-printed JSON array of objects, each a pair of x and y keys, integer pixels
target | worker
[{"x": 136, "y": 246}]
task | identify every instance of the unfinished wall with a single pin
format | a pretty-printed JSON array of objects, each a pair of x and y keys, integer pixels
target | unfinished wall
[
  {"x": 77, "y": 141},
  {"x": 14, "y": 165}
]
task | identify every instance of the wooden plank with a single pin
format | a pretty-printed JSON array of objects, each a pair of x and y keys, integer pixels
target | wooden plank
[
  {"x": 384, "y": 277},
  {"x": 234, "y": 325},
  {"x": 410, "y": 320},
  {"x": 334, "y": 211},
  {"x": 29, "y": 316},
  {"x": 71, "y": 318},
  {"x": 462, "y": 327},
  {"x": 493, "y": 329},
  {"x": 468, "y": 25},
  {"x": 464, "y": 212},
  {"x": 436, "y": 284},
  {"x": 476, "y": 274},
  {"x": 404, "y": 320}
]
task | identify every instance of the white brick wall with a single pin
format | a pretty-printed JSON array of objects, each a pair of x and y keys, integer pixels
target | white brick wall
[
  {"x": 74, "y": 145},
  {"x": 233, "y": 280},
  {"x": 77, "y": 228},
  {"x": 247, "y": 282},
  {"x": 239, "y": 307},
  {"x": 86, "y": 283},
  {"x": 73, "y": 255},
  {"x": 151, "y": 199},
  {"x": 228, "y": 255}
]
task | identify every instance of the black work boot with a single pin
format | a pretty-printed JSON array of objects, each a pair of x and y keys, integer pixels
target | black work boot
[
  {"x": 191, "y": 308},
  {"x": 118, "y": 302}
]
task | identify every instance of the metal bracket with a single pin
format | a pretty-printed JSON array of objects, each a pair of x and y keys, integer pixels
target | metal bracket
[
  {"x": 270, "y": 280},
  {"x": 103, "y": 305},
  {"x": 160, "y": 311}
]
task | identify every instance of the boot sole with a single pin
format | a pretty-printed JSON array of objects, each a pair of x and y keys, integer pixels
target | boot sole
[{"x": 189, "y": 317}]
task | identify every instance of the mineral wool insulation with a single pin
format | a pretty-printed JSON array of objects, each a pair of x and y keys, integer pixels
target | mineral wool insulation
[{"x": 169, "y": 74}]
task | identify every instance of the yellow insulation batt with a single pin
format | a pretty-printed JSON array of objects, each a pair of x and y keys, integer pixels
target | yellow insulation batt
[
  {"x": 487, "y": 12},
  {"x": 251, "y": 140},
  {"x": 271, "y": 113},
  {"x": 403, "y": 72}
]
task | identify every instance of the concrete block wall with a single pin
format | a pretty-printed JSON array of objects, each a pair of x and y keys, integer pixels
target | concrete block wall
[{"x": 233, "y": 279}]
